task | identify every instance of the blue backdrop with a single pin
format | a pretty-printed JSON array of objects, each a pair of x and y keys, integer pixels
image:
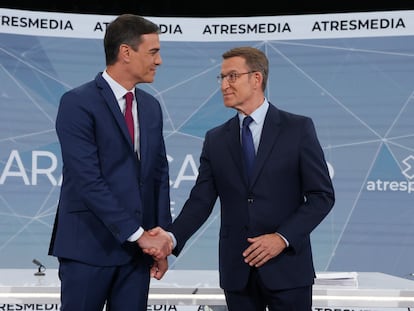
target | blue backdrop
[{"x": 359, "y": 92}]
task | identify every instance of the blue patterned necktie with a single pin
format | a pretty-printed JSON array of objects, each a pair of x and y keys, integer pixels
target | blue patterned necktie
[{"x": 248, "y": 145}]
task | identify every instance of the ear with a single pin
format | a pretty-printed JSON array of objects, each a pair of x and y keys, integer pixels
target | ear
[
  {"x": 124, "y": 52},
  {"x": 258, "y": 78}
]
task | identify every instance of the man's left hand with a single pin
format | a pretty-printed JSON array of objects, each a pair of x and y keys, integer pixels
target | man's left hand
[{"x": 263, "y": 248}]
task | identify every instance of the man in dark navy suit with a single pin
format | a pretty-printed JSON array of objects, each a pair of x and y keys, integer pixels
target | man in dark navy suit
[
  {"x": 267, "y": 216},
  {"x": 115, "y": 183}
]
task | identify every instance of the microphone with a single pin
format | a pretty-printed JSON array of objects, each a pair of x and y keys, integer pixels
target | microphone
[{"x": 40, "y": 268}]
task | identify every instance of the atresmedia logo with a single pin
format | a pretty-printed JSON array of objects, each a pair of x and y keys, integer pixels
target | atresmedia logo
[{"x": 407, "y": 185}]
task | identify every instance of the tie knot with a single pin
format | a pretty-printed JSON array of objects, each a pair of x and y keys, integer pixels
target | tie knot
[
  {"x": 247, "y": 120},
  {"x": 128, "y": 97}
]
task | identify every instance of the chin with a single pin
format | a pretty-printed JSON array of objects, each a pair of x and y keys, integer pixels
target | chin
[{"x": 228, "y": 104}]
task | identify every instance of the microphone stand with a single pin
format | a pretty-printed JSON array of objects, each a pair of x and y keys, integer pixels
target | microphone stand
[{"x": 40, "y": 268}]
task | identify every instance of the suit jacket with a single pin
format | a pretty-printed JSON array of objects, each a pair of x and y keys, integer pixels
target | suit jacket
[
  {"x": 290, "y": 192},
  {"x": 107, "y": 192}
]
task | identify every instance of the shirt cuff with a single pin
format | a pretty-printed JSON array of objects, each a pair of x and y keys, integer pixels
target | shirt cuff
[
  {"x": 136, "y": 235},
  {"x": 283, "y": 238},
  {"x": 173, "y": 239}
]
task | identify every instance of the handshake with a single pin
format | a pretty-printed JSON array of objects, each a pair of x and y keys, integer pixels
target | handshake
[
  {"x": 156, "y": 242},
  {"x": 159, "y": 244}
]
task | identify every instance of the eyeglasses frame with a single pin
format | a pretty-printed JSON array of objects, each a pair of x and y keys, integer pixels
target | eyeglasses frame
[{"x": 232, "y": 76}]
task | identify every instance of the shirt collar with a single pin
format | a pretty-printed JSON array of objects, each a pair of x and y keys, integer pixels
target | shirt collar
[
  {"x": 258, "y": 115},
  {"x": 117, "y": 88}
]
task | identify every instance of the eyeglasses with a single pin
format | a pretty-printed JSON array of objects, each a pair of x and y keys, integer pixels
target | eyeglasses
[{"x": 232, "y": 76}]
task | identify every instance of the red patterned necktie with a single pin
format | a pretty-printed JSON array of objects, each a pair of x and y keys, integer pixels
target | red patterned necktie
[{"x": 128, "y": 114}]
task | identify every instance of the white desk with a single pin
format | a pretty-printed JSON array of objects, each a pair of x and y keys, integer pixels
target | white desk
[{"x": 200, "y": 287}]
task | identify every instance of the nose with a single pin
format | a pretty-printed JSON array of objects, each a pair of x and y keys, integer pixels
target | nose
[
  {"x": 158, "y": 59},
  {"x": 224, "y": 84}
]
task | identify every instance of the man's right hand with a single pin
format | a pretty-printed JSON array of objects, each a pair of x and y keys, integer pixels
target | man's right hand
[
  {"x": 159, "y": 268},
  {"x": 156, "y": 242}
]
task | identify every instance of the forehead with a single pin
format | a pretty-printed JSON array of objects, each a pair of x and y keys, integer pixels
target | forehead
[
  {"x": 233, "y": 64},
  {"x": 150, "y": 41}
]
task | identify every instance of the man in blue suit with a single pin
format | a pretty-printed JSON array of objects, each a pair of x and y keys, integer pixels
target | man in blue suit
[
  {"x": 265, "y": 256},
  {"x": 115, "y": 184}
]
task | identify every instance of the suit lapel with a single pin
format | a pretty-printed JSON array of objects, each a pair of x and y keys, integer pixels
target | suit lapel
[
  {"x": 143, "y": 143},
  {"x": 234, "y": 144},
  {"x": 270, "y": 132},
  {"x": 112, "y": 103}
]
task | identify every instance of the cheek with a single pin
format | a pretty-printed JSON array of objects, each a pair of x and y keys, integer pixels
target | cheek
[
  {"x": 137, "y": 67},
  {"x": 244, "y": 93}
]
